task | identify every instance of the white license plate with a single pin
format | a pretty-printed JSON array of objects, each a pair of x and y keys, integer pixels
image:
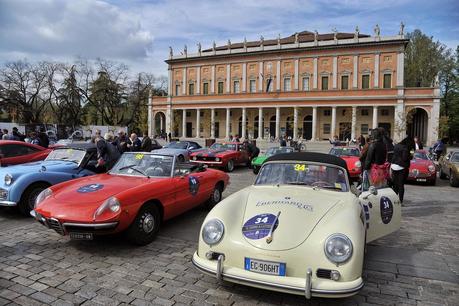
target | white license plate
[
  {"x": 265, "y": 267},
  {"x": 421, "y": 180},
  {"x": 81, "y": 236}
]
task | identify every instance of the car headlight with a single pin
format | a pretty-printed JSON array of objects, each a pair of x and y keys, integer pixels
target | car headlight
[
  {"x": 212, "y": 231},
  {"x": 43, "y": 196},
  {"x": 8, "y": 179},
  {"x": 358, "y": 164},
  {"x": 111, "y": 204},
  {"x": 217, "y": 159},
  {"x": 431, "y": 168},
  {"x": 338, "y": 248},
  {"x": 194, "y": 158}
]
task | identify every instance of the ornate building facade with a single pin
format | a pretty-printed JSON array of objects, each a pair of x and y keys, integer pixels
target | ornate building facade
[{"x": 307, "y": 85}]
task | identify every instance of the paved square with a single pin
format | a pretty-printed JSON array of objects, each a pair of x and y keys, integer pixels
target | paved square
[{"x": 417, "y": 265}]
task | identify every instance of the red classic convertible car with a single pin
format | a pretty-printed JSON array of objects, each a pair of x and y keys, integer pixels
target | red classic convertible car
[
  {"x": 351, "y": 157},
  {"x": 136, "y": 196},
  {"x": 422, "y": 169},
  {"x": 225, "y": 155},
  {"x": 18, "y": 152}
]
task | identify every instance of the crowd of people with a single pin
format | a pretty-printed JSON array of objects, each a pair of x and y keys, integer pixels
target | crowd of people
[{"x": 37, "y": 138}]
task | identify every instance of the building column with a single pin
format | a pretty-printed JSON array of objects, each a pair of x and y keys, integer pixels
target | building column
[
  {"x": 244, "y": 122},
  {"x": 184, "y": 81},
  {"x": 260, "y": 123},
  {"x": 169, "y": 119},
  {"x": 184, "y": 123},
  {"x": 433, "y": 124},
  {"x": 355, "y": 73},
  {"x": 278, "y": 74},
  {"x": 212, "y": 80},
  {"x": 399, "y": 121},
  {"x": 277, "y": 122},
  {"x": 151, "y": 121},
  {"x": 353, "y": 122},
  {"x": 161, "y": 124},
  {"x": 260, "y": 76},
  {"x": 333, "y": 122},
  {"x": 227, "y": 123},
  {"x": 295, "y": 123},
  {"x": 198, "y": 80},
  {"x": 198, "y": 122},
  {"x": 375, "y": 117},
  {"x": 314, "y": 77},
  {"x": 228, "y": 78},
  {"x": 314, "y": 122},
  {"x": 297, "y": 71},
  {"x": 212, "y": 123},
  {"x": 376, "y": 78},
  {"x": 169, "y": 89},
  {"x": 244, "y": 77},
  {"x": 400, "y": 68},
  {"x": 335, "y": 72}
]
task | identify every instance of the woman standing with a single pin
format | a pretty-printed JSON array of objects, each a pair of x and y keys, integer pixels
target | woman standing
[
  {"x": 400, "y": 166},
  {"x": 375, "y": 161}
]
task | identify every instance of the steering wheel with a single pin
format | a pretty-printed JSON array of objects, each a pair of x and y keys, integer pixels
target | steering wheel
[{"x": 321, "y": 184}]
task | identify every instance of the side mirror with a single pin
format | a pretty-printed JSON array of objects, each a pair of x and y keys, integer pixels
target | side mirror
[{"x": 371, "y": 191}]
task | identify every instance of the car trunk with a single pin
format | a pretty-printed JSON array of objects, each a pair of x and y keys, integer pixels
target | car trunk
[{"x": 301, "y": 208}]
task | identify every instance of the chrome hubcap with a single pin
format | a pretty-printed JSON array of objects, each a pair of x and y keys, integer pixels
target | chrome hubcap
[
  {"x": 216, "y": 195},
  {"x": 230, "y": 165},
  {"x": 148, "y": 223}
]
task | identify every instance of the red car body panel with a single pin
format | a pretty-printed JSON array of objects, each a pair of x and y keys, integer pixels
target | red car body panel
[
  {"x": 35, "y": 153},
  {"x": 67, "y": 205},
  {"x": 208, "y": 156},
  {"x": 419, "y": 170},
  {"x": 354, "y": 171}
]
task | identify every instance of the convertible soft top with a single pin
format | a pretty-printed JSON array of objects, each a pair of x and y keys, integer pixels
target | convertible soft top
[
  {"x": 309, "y": 156},
  {"x": 87, "y": 146}
]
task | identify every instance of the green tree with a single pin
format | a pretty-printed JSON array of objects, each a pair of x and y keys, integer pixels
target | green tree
[{"x": 449, "y": 85}]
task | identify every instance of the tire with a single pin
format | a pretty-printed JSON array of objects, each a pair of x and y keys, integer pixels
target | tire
[
  {"x": 27, "y": 202},
  {"x": 216, "y": 196},
  {"x": 256, "y": 169},
  {"x": 433, "y": 182},
  {"x": 230, "y": 166},
  {"x": 442, "y": 174},
  {"x": 453, "y": 179},
  {"x": 181, "y": 158},
  {"x": 145, "y": 226}
]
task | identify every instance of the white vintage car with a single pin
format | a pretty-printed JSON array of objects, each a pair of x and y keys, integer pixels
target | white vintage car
[{"x": 299, "y": 229}]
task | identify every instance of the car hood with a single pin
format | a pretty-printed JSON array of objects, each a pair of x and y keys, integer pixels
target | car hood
[
  {"x": 96, "y": 188},
  {"x": 170, "y": 151},
  {"x": 420, "y": 164},
  {"x": 40, "y": 166},
  {"x": 301, "y": 209},
  {"x": 350, "y": 160}
]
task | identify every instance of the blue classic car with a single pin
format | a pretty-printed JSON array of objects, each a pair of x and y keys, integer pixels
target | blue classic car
[
  {"x": 21, "y": 184},
  {"x": 180, "y": 149}
]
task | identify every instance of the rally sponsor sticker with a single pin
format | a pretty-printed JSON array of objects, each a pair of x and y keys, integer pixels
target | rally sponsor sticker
[
  {"x": 193, "y": 185},
  {"x": 90, "y": 188},
  {"x": 387, "y": 209},
  {"x": 259, "y": 226}
]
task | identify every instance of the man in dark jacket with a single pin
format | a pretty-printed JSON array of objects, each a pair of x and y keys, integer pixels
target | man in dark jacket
[
  {"x": 400, "y": 166},
  {"x": 134, "y": 143},
  {"x": 107, "y": 153},
  {"x": 146, "y": 145},
  {"x": 44, "y": 140},
  {"x": 418, "y": 144}
]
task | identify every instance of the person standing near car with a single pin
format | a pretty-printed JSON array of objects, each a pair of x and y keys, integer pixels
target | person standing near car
[
  {"x": 44, "y": 140},
  {"x": 146, "y": 145},
  {"x": 438, "y": 148},
  {"x": 400, "y": 166},
  {"x": 375, "y": 161},
  {"x": 417, "y": 143},
  {"x": 107, "y": 153},
  {"x": 134, "y": 143}
]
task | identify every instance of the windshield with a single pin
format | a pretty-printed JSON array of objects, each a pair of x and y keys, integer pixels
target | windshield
[
  {"x": 141, "y": 164},
  {"x": 455, "y": 158},
  {"x": 274, "y": 151},
  {"x": 223, "y": 146},
  {"x": 66, "y": 154},
  {"x": 177, "y": 145},
  {"x": 420, "y": 155},
  {"x": 300, "y": 173},
  {"x": 345, "y": 152}
]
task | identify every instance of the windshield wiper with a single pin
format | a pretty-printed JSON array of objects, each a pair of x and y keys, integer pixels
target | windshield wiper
[
  {"x": 297, "y": 183},
  {"x": 135, "y": 169}
]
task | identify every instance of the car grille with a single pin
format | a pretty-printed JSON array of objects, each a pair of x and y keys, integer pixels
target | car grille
[
  {"x": 417, "y": 173},
  {"x": 323, "y": 273},
  {"x": 205, "y": 158},
  {"x": 55, "y": 225},
  {"x": 3, "y": 194}
]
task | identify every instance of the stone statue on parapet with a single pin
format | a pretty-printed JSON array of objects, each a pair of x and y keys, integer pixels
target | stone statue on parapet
[
  {"x": 402, "y": 29},
  {"x": 229, "y": 44},
  {"x": 199, "y": 48},
  {"x": 357, "y": 32},
  {"x": 171, "y": 52},
  {"x": 297, "y": 38},
  {"x": 278, "y": 40},
  {"x": 245, "y": 43},
  {"x": 316, "y": 37},
  {"x": 185, "y": 50},
  {"x": 377, "y": 31}
]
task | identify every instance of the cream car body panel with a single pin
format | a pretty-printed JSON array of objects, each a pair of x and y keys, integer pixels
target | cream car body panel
[{"x": 308, "y": 216}]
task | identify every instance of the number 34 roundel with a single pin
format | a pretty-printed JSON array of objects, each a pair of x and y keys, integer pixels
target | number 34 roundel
[{"x": 387, "y": 209}]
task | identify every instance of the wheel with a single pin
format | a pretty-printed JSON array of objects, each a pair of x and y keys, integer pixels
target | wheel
[
  {"x": 256, "y": 169},
  {"x": 433, "y": 182},
  {"x": 181, "y": 158},
  {"x": 442, "y": 174},
  {"x": 145, "y": 226},
  {"x": 216, "y": 196},
  {"x": 27, "y": 202},
  {"x": 230, "y": 166},
  {"x": 453, "y": 179}
]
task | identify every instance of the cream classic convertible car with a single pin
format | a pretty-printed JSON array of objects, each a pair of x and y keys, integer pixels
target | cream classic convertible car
[{"x": 299, "y": 229}]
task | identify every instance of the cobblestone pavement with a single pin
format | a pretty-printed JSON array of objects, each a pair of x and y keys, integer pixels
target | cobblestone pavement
[{"x": 418, "y": 265}]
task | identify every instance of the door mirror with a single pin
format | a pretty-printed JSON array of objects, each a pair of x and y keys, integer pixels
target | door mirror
[{"x": 371, "y": 191}]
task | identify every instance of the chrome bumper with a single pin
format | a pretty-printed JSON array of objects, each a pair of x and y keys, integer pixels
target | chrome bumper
[
  {"x": 206, "y": 162},
  {"x": 307, "y": 290},
  {"x": 8, "y": 203}
]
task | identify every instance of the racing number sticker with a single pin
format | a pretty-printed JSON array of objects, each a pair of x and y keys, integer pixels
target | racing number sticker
[
  {"x": 90, "y": 188},
  {"x": 194, "y": 185},
  {"x": 259, "y": 226},
  {"x": 299, "y": 167},
  {"x": 387, "y": 209},
  {"x": 139, "y": 156}
]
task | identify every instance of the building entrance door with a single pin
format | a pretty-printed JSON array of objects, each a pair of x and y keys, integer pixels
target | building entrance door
[
  {"x": 217, "y": 129},
  {"x": 345, "y": 130},
  {"x": 307, "y": 127},
  {"x": 189, "y": 129}
]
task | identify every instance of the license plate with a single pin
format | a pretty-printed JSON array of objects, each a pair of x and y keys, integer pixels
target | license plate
[
  {"x": 421, "y": 180},
  {"x": 81, "y": 236},
  {"x": 265, "y": 267}
]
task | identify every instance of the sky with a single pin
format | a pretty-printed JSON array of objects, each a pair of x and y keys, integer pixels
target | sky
[{"x": 139, "y": 32}]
